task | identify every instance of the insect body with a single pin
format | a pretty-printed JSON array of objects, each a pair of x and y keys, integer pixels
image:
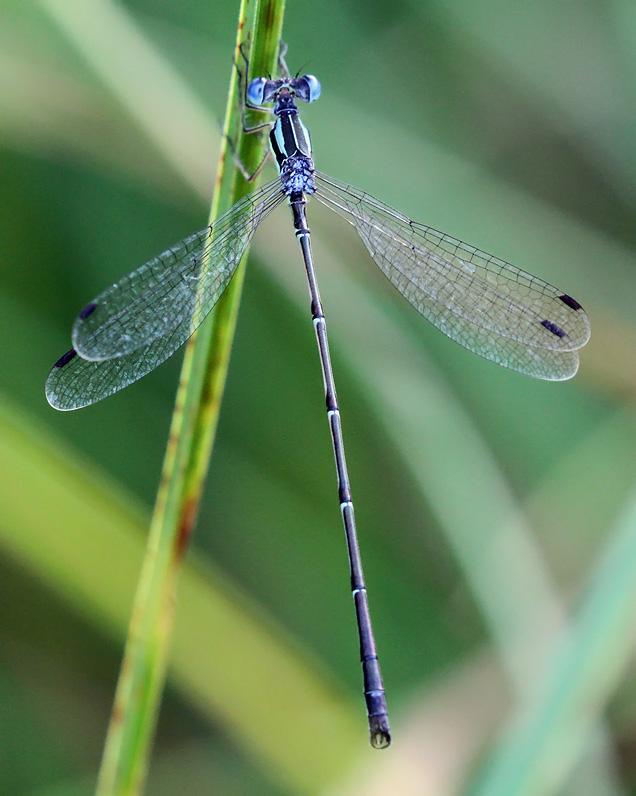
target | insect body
[{"x": 487, "y": 305}]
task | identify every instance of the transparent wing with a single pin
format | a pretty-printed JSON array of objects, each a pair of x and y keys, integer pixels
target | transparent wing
[
  {"x": 170, "y": 295},
  {"x": 487, "y": 305},
  {"x": 75, "y": 382},
  {"x": 136, "y": 324}
]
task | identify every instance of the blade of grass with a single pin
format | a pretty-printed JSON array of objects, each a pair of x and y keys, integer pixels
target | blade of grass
[
  {"x": 588, "y": 660},
  {"x": 143, "y": 97},
  {"x": 192, "y": 432}
]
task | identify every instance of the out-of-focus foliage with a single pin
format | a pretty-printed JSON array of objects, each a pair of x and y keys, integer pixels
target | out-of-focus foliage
[{"x": 495, "y": 512}]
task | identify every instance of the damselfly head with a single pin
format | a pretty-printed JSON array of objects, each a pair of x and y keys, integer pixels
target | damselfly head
[{"x": 262, "y": 90}]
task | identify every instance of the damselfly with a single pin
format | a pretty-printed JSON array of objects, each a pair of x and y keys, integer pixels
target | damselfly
[{"x": 489, "y": 306}]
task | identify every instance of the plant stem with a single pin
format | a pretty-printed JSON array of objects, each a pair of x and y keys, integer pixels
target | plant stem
[{"x": 190, "y": 443}]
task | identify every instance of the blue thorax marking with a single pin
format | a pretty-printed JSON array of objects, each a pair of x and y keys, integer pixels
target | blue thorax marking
[
  {"x": 289, "y": 137},
  {"x": 291, "y": 145}
]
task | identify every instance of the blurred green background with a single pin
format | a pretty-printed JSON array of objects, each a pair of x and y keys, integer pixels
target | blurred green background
[{"x": 497, "y": 514}]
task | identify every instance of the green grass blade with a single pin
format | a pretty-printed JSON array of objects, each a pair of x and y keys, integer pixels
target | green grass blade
[
  {"x": 190, "y": 443},
  {"x": 95, "y": 29},
  {"x": 588, "y": 661}
]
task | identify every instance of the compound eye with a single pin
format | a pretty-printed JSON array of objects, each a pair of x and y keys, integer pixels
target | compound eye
[
  {"x": 307, "y": 88},
  {"x": 256, "y": 91}
]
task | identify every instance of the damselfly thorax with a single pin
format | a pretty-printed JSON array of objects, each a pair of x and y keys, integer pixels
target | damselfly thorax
[{"x": 289, "y": 138}]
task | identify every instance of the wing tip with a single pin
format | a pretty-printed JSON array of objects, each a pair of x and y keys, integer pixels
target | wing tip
[{"x": 53, "y": 395}]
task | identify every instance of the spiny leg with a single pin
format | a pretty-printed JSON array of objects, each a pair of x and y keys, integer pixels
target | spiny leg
[
  {"x": 245, "y": 105},
  {"x": 245, "y": 172}
]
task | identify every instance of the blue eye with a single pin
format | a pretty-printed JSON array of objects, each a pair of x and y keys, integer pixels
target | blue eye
[
  {"x": 314, "y": 87},
  {"x": 307, "y": 88},
  {"x": 256, "y": 91}
]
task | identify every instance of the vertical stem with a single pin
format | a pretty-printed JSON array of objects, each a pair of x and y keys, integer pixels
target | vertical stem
[{"x": 190, "y": 443}]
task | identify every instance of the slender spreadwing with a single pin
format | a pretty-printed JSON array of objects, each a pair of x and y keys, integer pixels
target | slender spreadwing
[{"x": 487, "y": 305}]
